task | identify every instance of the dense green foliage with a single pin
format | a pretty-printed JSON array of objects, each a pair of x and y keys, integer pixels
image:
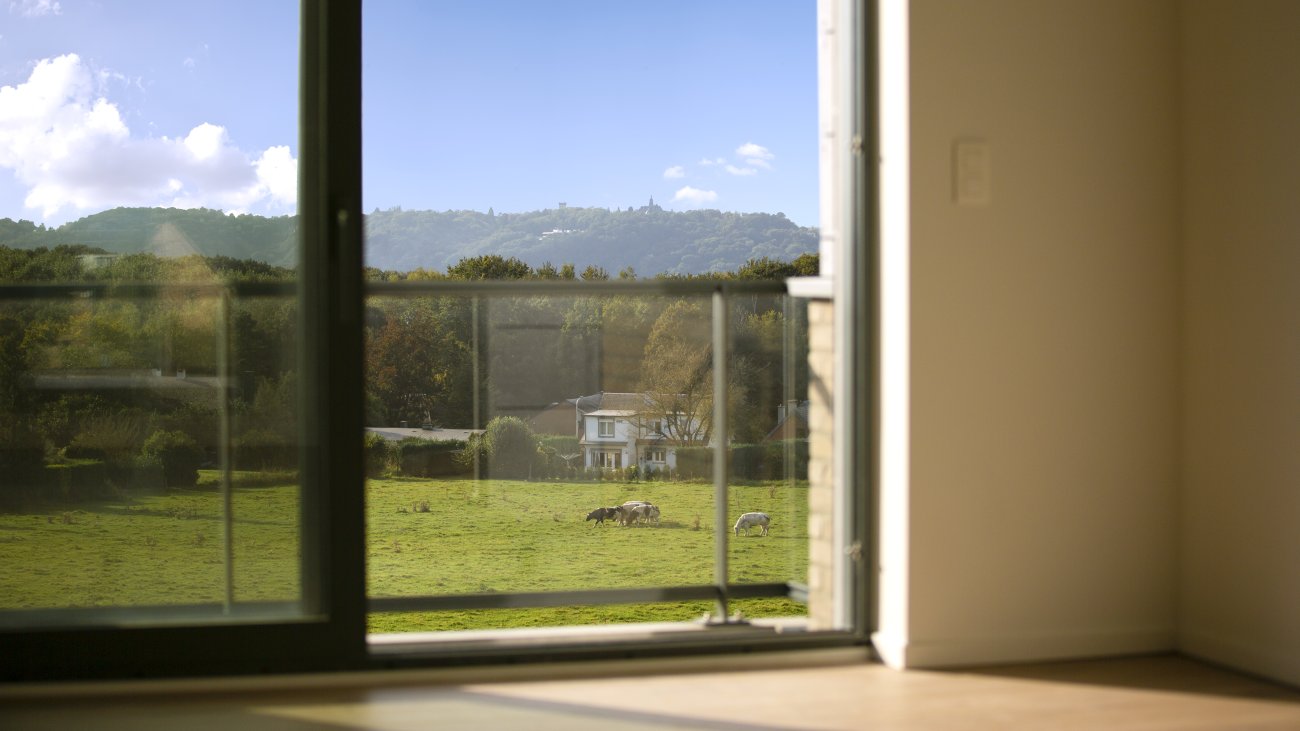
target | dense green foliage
[
  {"x": 426, "y": 458},
  {"x": 178, "y": 455},
  {"x": 118, "y": 369}
]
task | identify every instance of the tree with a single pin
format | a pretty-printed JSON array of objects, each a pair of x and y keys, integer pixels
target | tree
[
  {"x": 594, "y": 273},
  {"x": 178, "y": 454},
  {"x": 489, "y": 266},
  {"x": 677, "y": 375},
  {"x": 507, "y": 448},
  {"x": 421, "y": 347}
]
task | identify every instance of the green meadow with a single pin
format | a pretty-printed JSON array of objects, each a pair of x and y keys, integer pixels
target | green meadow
[{"x": 424, "y": 537}]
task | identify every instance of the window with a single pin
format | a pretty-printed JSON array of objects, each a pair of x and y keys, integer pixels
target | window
[
  {"x": 311, "y": 604},
  {"x": 657, "y": 456},
  {"x": 606, "y": 427}
]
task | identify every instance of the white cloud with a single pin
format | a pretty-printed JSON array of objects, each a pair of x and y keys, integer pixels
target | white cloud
[
  {"x": 71, "y": 149},
  {"x": 35, "y": 8},
  {"x": 277, "y": 172},
  {"x": 206, "y": 141},
  {"x": 756, "y": 155},
  {"x": 676, "y": 171},
  {"x": 708, "y": 161},
  {"x": 694, "y": 196},
  {"x": 740, "y": 171}
]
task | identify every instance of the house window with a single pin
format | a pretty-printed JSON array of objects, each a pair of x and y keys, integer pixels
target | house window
[
  {"x": 459, "y": 353},
  {"x": 656, "y": 455},
  {"x": 605, "y": 427}
]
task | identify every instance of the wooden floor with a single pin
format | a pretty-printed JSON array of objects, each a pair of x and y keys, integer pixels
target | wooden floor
[{"x": 1148, "y": 693}]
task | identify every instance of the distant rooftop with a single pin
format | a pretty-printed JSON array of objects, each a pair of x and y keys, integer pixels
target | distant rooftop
[{"x": 397, "y": 433}]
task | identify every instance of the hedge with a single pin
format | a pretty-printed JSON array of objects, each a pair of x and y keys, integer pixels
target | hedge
[
  {"x": 77, "y": 481},
  {"x": 425, "y": 458},
  {"x": 765, "y": 461}
]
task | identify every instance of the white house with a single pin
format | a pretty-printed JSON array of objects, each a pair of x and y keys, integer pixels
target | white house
[{"x": 618, "y": 430}]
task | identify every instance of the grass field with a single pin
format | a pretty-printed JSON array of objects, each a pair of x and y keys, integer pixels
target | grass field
[{"x": 424, "y": 536}]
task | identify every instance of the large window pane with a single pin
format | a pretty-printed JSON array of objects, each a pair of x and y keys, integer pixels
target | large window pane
[
  {"x": 572, "y": 148},
  {"x": 149, "y": 434}
]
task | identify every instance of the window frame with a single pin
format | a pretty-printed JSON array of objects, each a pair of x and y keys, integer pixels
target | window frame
[
  {"x": 601, "y": 423},
  {"x": 331, "y": 633}
]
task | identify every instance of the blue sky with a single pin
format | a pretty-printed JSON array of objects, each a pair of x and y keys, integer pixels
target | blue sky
[{"x": 511, "y": 105}]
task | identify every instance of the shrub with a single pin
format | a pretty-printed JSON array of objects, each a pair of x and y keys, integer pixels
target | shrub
[
  {"x": 178, "y": 454},
  {"x": 262, "y": 449},
  {"x": 376, "y": 452},
  {"x": 77, "y": 480},
  {"x": 425, "y": 458},
  {"x": 766, "y": 461},
  {"x": 22, "y": 460},
  {"x": 507, "y": 448},
  {"x": 695, "y": 463},
  {"x": 114, "y": 437}
]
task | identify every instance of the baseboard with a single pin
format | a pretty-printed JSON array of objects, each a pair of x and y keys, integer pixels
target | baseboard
[
  {"x": 901, "y": 652},
  {"x": 1275, "y": 662}
]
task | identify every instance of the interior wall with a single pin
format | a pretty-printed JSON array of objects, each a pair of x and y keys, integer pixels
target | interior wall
[
  {"x": 1045, "y": 333},
  {"x": 1240, "y": 586}
]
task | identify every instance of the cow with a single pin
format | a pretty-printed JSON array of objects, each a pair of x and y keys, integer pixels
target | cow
[
  {"x": 752, "y": 519},
  {"x": 600, "y": 514},
  {"x": 635, "y": 511}
]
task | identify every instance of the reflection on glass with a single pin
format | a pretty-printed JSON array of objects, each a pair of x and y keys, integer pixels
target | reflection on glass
[
  {"x": 150, "y": 443},
  {"x": 149, "y": 428},
  {"x": 562, "y": 443}
]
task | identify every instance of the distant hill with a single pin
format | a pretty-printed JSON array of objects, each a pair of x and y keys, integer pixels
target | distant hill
[
  {"x": 166, "y": 232},
  {"x": 649, "y": 239}
]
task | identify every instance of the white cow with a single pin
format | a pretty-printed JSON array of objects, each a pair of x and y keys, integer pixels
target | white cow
[
  {"x": 639, "y": 511},
  {"x": 752, "y": 519}
]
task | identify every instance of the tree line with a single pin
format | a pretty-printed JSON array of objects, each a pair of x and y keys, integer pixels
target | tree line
[{"x": 67, "y": 394}]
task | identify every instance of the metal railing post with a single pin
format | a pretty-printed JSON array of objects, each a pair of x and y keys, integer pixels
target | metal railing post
[
  {"x": 223, "y": 410},
  {"x": 720, "y": 439}
]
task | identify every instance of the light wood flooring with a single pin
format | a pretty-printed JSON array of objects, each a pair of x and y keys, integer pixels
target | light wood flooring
[{"x": 1147, "y": 693}]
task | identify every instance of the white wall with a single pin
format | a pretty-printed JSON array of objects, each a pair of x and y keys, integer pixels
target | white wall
[
  {"x": 1044, "y": 332},
  {"x": 1104, "y": 450},
  {"x": 1240, "y": 599}
]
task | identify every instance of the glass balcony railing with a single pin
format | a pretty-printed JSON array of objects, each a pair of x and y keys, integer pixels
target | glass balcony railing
[{"x": 538, "y": 453}]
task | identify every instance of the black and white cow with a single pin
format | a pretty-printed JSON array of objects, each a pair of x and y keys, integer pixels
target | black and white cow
[{"x": 600, "y": 514}]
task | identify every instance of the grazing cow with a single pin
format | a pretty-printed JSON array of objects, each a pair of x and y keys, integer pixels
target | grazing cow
[
  {"x": 600, "y": 514},
  {"x": 752, "y": 519},
  {"x": 639, "y": 511}
]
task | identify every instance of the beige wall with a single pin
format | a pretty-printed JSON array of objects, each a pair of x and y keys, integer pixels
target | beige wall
[
  {"x": 1105, "y": 359},
  {"x": 1044, "y": 332},
  {"x": 1240, "y": 600}
]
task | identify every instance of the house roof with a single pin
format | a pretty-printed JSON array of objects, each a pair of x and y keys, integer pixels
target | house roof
[
  {"x": 397, "y": 434},
  {"x": 633, "y": 402},
  {"x": 611, "y": 412},
  {"x": 792, "y": 424}
]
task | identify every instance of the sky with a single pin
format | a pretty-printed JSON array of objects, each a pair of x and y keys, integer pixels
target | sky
[{"x": 514, "y": 106}]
